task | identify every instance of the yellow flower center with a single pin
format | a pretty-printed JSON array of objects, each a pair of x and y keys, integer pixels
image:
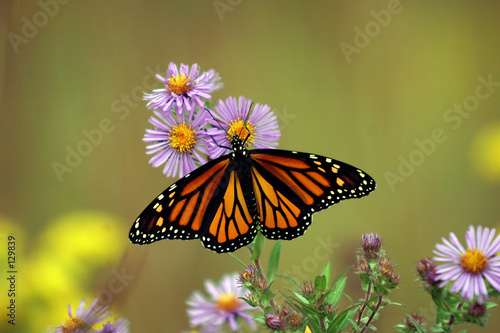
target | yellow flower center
[
  {"x": 182, "y": 138},
  {"x": 245, "y": 131},
  {"x": 179, "y": 84},
  {"x": 228, "y": 302},
  {"x": 474, "y": 261},
  {"x": 72, "y": 325}
]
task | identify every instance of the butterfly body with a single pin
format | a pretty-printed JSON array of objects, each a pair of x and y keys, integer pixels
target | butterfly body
[{"x": 226, "y": 201}]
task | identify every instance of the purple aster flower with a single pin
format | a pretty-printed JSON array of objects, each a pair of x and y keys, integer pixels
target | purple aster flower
[
  {"x": 179, "y": 140},
  {"x": 183, "y": 86},
  {"x": 84, "y": 319},
  {"x": 118, "y": 326},
  {"x": 471, "y": 268},
  {"x": 260, "y": 128},
  {"x": 223, "y": 306}
]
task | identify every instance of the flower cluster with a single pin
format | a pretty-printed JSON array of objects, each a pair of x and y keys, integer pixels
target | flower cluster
[
  {"x": 465, "y": 278},
  {"x": 374, "y": 268},
  {"x": 187, "y": 131},
  {"x": 314, "y": 305},
  {"x": 377, "y": 276},
  {"x": 85, "y": 320}
]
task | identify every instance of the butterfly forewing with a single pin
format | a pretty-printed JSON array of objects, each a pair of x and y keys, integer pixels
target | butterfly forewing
[
  {"x": 290, "y": 186},
  {"x": 182, "y": 210}
]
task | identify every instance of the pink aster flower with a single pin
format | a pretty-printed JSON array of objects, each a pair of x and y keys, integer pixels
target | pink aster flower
[
  {"x": 258, "y": 127},
  {"x": 471, "y": 268},
  {"x": 178, "y": 140},
  {"x": 223, "y": 306},
  {"x": 183, "y": 86}
]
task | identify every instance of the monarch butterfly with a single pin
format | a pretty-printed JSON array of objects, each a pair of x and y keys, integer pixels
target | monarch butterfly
[{"x": 226, "y": 201}]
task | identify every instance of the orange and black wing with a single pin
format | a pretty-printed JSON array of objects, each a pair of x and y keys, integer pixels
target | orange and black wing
[
  {"x": 206, "y": 204},
  {"x": 232, "y": 225},
  {"x": 290, "y": 186}
]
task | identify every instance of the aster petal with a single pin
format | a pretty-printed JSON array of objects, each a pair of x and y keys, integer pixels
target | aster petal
[
  {"x": 159, "y": 159},
  {"x": 485, "y": 246},
  {"x": 464, "y": 284},
  {"x": 194, "y": 71},
  {"x": 470, "y": 237},
  {"x": 493, "y": 279},
  {"x": 451, "y": 275},
  {"x": 480, "y": 286},
  {"x": 483, "y": 240},
  {"x": 448, "y": 249},
  {"x": 172, "y": 68},
  {"x": 493, "y": 247},
  {"x": 456, "y": 243},
  {"x": 232, "y": 323},
  {"x": 212, "y": 289}
]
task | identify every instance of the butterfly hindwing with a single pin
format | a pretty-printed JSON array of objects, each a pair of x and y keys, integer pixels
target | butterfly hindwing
[
  {"x": 232, "y": 225},
  {"x": 290, "y": 186}
]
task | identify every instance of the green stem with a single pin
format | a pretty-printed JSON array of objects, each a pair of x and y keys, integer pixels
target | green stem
[
  {"x": 380, "y": 297},
  {"x": 263, "y": 278},
  {"x": 368, "y": 292}
]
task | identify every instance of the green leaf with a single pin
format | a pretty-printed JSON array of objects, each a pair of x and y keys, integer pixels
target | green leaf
[
  {"x": 333, "y": 296},
  {"x": 490, "y": 305},
  {"x": 260, "y": 319},
  {"x": 239, "y": 261},
  {"x": 314, "y": 325},
  {"x": 341, "y": 321},
  {"x": 326, "y": 273},
  {"x": 258, "y": 246},
  {"x": 274, "y": 262},
  {"x": 388, "y": 302},
  {"x": 301, "y": 298},
  {"x": 320, "y": 283},
  {"x": 355, "y": 326},
  {"x": 289, "y": 279}
]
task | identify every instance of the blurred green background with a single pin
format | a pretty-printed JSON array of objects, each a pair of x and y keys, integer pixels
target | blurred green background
[{"x": 367, "y": 83}]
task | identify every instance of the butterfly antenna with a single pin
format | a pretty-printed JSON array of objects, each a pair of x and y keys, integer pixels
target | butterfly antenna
[
  {"x": 218, "y": 122},
  {"x": 245, "y": 123},
  {"x": 210, "y": 112}
]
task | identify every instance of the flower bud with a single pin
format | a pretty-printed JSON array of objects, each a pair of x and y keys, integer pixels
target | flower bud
[
  {"x": 371, "y": 245},
  {"x": 273, "y": 321}
]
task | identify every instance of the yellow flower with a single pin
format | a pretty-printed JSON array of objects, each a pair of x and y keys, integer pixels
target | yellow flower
[
  {"x": 84, "y": 240},
  {"x": 62, "y": 266},
  {"x": 485, "y": 153}
]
